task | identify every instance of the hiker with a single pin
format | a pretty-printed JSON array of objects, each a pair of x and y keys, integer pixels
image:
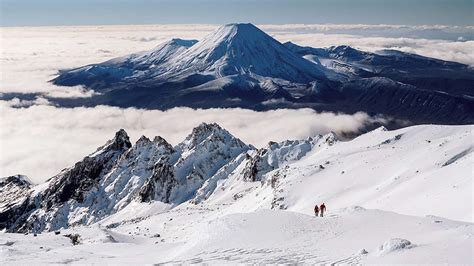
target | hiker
[
  {"x": 316, "y": 210},
  {"x": 322, "y": 208}
]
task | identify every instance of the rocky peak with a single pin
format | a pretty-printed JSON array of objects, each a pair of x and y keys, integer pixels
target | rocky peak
[
  {"x": 158, "y": 146},
  {"x": 76, "y": 182},
  {"x": 13, "y": 187},
  {"x": 159, "y": 141},
  {"x": 208, "y": 148},
  {"x": 331, "y": 138},
  {"x": 21, "y": 181},
  {"x": 143, "y": 141},
  {"x": 203, "y": 132},
  {"x": 120, "y": 142}
]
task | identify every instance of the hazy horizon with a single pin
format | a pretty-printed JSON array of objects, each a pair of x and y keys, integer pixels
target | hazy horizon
[{"x": 125, "y": 12}]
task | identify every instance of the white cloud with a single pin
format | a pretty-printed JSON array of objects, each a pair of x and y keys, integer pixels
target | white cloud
[
  {"x": 18, "y": 103},
  {"x": 458, "y": 51},
  {"x": 41, "y": 140}
]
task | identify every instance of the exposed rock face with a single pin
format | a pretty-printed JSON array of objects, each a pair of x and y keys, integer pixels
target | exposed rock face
[
  {"x": 78, "y": 180},
  {"x": 207, "y": 149},
  {"x": 19, "y": 181},
  {"x": 118, "y": 173},
  {"x": 14, "y": 198},
  {"x": 276, "y": 155},
  {"x": 159, "y": 186}
]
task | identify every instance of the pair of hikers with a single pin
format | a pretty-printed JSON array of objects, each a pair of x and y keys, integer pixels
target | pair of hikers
[{"x": 321, "y": 209}]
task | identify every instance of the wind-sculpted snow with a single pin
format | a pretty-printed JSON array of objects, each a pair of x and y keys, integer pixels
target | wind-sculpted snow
[{"x": 238, "y": 65}]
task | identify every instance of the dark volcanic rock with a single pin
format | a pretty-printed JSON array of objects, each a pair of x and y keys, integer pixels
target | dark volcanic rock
[
  {"x": 159, "y": 186},
  {"x": 74, "y": 182}
]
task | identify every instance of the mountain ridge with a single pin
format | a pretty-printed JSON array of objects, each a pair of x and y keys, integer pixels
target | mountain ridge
[
  {"x": 213, "y": 167},
  {"x": 119, "y": 173}
]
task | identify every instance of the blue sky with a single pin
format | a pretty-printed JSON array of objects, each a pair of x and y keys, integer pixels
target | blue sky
[{"x": 87, "y": 12}]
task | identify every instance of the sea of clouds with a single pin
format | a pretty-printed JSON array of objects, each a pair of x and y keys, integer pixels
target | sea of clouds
[{"x": 39, "y": 139}]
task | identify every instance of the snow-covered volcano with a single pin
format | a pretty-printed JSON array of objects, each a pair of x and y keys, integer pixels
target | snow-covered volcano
[
  {"x": 243, "y": 49},
  {"x": 238, "y": 65}
]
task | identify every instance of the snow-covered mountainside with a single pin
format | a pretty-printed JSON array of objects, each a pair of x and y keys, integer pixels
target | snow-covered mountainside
[
  {"x": 242, "y": 49},
  {"x": 116, "y": 69},
  {"x": 392, "y": 196},
  {"x": 422, "y": 72},
  {"x": 211, "y": 165},
  {"x": 239, "y": 65},
  {"x": 116, "y": 174}
]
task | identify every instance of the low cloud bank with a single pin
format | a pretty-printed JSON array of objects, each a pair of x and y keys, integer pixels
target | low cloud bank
[{"x": 41, "y": 140}]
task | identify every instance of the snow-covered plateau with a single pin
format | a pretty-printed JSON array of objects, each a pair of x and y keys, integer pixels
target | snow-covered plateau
[{"x": 402, "y": 196}]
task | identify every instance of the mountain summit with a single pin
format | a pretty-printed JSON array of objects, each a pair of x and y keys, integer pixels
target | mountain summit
[{"x": 243, "y": 49}]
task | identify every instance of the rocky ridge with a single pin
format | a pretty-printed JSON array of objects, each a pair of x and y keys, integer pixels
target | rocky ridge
[{"x": 119, "y": 173}]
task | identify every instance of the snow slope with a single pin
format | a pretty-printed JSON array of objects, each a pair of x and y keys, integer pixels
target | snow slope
[
  {"x": 421, "y": 170},
  {"x": 402, "y": 196},
  {"x": 204, "y": 235},
  {"x": 423, "y": 72},
  {"x": 243, "y": 49}
]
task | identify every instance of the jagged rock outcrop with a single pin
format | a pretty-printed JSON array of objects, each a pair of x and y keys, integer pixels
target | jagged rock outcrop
[
  {"x": 13, "y": 186},
  {"x": 276, "y": 155},
  {"x": 159, "y": 186},
  {"x": 207, "y": 149},
  {"x": 14, "y": 198},
  {"x": 73, "y": 183}
]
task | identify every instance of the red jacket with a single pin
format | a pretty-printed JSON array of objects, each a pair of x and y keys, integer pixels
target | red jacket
[
  {"x": 322, "y": 207},
  {"x": 316, "y": 209}
]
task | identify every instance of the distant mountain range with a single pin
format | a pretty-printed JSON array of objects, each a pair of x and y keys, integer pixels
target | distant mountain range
[{"x": 239, "y": 65}]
